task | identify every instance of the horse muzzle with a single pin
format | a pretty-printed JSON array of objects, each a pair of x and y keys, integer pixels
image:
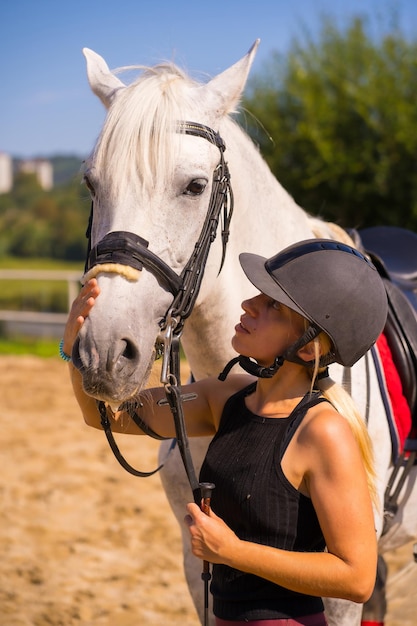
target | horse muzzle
[{"x": 113, "y": 377}]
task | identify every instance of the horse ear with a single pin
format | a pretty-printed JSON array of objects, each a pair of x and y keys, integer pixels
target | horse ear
[
  {"x": 103, "y": 83},
  {"x": 228, "y": 86}
]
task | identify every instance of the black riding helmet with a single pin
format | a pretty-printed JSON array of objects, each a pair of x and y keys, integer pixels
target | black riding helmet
[{"x": 333, "y": 286}]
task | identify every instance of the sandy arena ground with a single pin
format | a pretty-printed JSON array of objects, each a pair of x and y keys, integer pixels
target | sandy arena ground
[{"x": 84, "y": 543}]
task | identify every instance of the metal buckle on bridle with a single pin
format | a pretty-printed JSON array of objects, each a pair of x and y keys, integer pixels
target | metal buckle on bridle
[
  {"x": 168, "y": 326},
  {"x": 170, "y": 378}
]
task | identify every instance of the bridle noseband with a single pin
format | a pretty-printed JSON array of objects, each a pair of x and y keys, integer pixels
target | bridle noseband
[{"x": 128, "y": 249}]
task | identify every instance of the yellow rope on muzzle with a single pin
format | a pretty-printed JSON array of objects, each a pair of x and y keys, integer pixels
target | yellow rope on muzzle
[{"x": 130, "y": 273}]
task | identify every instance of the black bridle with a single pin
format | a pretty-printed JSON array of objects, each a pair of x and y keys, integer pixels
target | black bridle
[{"x": 131, "y": 250}]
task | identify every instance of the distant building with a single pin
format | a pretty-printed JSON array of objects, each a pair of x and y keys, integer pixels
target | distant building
[
  {"x": 6, "y": 173},
  {"x": 43, "y": 170}
]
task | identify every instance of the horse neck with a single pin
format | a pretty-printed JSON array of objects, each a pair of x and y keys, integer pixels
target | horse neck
[{"x": 266, "y": 217}]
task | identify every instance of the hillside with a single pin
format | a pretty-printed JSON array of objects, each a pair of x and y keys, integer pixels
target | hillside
[{"x": 66, "y": 166}]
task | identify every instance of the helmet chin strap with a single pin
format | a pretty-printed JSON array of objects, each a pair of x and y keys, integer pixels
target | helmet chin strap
[
  {"x": 290, "y": 354},
  {"x": 252, "y": 367}
]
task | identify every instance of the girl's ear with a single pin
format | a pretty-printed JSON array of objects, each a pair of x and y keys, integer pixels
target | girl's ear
[{"x": 308, "y": 352}]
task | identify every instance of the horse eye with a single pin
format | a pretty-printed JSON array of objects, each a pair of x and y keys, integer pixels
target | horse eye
[
  {"x": 89, "y": 185},
  {"x": 195, "y": 187}
]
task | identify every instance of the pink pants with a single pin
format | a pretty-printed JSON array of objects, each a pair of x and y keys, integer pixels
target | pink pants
[{"x": 317, "y": 619}]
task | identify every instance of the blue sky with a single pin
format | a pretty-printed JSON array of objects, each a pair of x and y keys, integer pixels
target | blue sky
[{"x": 46, "y": 106}]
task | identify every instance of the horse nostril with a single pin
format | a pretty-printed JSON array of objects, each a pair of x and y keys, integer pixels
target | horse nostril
[
  {"x": 130, "y": 351},
  {"x": 123, "y": 357},
  {"x": 76, "y": 357}
]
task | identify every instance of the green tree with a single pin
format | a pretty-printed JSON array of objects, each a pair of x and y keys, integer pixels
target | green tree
[
  {"x": 38, "y": 223},
  {"x": 336, "y": 120},
  {"x": 26, "y": 190},
  {"x": 69, "y": 240}
]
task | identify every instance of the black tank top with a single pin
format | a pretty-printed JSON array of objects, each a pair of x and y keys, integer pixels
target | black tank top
[{"x": 256, "y": 500}]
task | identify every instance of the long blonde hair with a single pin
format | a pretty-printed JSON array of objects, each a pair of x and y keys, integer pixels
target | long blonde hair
[{"x": 344, "y": 404}]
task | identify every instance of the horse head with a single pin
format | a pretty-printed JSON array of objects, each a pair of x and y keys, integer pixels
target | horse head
[{"x": 151, "y": 176}]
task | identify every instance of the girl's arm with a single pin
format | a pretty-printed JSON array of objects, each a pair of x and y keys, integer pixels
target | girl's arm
[
  {"x": 152, "y": 409},
  {"x": 201, "y": 414}
]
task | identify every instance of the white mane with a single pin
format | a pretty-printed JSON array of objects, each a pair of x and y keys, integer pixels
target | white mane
[{"x": 138, "y": 140}]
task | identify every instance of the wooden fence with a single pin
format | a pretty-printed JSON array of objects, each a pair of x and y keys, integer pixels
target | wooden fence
[{"x": 37, "y": 323}]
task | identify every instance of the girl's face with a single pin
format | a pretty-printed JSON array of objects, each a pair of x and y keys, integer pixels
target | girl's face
[{"x": 266, "y": 329}]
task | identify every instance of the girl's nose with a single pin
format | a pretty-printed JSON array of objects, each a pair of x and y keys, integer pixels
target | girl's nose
[{"x": 250, "y": 305}]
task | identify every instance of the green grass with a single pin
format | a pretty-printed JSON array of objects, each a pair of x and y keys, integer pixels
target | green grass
[
  {"x": 31, "y": 295},
  {"x": 18, "y": 263},
  {"x": 36, "y": 346}
]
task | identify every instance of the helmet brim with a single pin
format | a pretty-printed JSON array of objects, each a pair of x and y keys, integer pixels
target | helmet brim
[{"x": 254, "y": 267}]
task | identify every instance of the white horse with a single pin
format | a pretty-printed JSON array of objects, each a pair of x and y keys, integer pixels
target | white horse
[{"x": 151, "y": 177}]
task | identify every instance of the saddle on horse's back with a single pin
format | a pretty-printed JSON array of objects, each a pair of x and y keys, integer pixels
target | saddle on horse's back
[{"x": 393, "y": 251}]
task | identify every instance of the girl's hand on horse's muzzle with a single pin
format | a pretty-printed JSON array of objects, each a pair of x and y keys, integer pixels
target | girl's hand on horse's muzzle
[{"x": 80, "y": 310}]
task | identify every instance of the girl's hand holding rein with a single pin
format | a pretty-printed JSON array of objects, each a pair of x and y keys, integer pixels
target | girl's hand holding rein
[{"x": 211, "y": 539}]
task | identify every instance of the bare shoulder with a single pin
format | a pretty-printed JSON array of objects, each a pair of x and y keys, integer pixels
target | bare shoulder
[
  {"x": 217, "y": 392},
  {"x": 212, "y": 386},
  {"x": 326, "y": 429},
  {"x": 325, "y": 453}
]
